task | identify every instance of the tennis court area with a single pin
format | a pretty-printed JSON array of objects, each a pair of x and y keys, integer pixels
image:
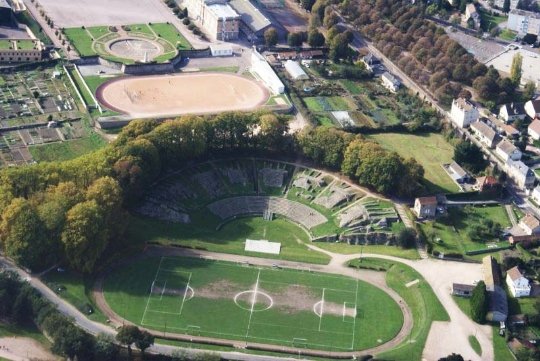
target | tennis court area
[{"x": 297, "y": 308}]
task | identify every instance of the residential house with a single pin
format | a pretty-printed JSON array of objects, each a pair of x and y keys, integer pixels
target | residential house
[
  {"x": 506, "y": 150},
  {"x": 535, "y": 195},
  {"x": 510, "y": 131},
  {"x": 471, "y": 13},
  {"x": 498, "y": 304},
  {"x": 524, "y": 22},
  {"x": 425, "y": 207},
  {"x": 457, "y": 173},
  {"x": 488, "y": 184},
  {"x": 390, "y": 82},
  {"x": 370, "y": 61},
  {"x": 532, "y": 108},
  {"x": 518, "y": 285},
  {"x": 463, "y": 113},
  {"x": 485, "y": 133},
  {"x": 521, "y": 174},
  {"x": 534, "y": 129},
  {"x": 512, "y": 111},
  {"x": 530, "y": 224},
  {"x": 459, "y": 289}
]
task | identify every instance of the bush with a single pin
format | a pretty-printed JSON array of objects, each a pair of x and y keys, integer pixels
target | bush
[
  {"x": 191, "y": 26},
  {"x": 186, "y": 21},
  {"x": 479, "y": 303},
  {"x": 406, "y": 238}
]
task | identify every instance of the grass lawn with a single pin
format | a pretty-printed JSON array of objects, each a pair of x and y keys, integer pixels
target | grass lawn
[
  {"x": 220, "y": 303},
  {"x": 500, "y": 348},
  {"x": 141, "y": 29},
  {"x": 489, "y": 21},
  {"x": 31, "y": 331},
  {"x": 222, "y": 69},
  {"x": 450, "y": 233},
  {"x": 319, "y": 104},
  {"x": 424, "y": 305},
  {"x": 81, "y": 41},
  {"x": 507, "y": 35},
  {"x": 171, "y": 34},
  {"x": 201, "y": 233},
  {"x": 94, "y": 81},
  {"x": 473, "y": 341},
  {"x": 345, "y": 248},
  {"x": 59, "y": 151},
  {"x": 430, "y": 150},
  {"x": 98, "y": 31},
  {"x": 75, "y": 289}
]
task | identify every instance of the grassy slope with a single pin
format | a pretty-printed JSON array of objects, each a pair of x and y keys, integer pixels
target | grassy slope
[
  {"x": 430, "y": 150},
  {"x": 76, "y": 290},
  {"x": 424, "y": 305},
  {"x": 82, "y": 89},
  {"x": 387, "y": 250},
  {"x": 171, "y": 34},
  {"x": 231, "y": 238},
  {"x": 81, "y": 40},
  {"x": 379, "y": 316}
]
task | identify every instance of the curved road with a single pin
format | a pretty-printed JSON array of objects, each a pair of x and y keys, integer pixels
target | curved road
[{"x": 439, "y": 274}]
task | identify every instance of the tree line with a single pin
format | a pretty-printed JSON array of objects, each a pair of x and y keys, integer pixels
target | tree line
[{"x": 74, "y": 212}]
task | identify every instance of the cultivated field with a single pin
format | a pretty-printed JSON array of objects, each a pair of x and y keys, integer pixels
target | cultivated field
[
  {"x": 160, "y": 96},
  {"x": 275, "y": 306},
  {"x": 430, "y": 150},
  {"x": 69, "y": 13}
]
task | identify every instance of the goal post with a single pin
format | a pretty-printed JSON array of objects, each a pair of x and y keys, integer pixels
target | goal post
[
  {"x": 193, "y": 330},
  {"x": 300, "y": 342}
]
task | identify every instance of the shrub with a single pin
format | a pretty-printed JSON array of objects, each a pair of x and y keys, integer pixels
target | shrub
[
  {"x": 479, "y": 303},
  {"x": 186, "y": 21},
  {"x": 191, "y": 26}
]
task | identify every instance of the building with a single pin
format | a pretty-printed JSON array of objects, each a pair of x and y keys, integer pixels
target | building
[
  {"x": 7, "y": 17},
  {"x": 535, "y": 194},
  {"x": 471, "y": 13},
  {"x": 390, "y": 82},
  {"x": 522, "y": 175},
  {"x": 425, "y": 207},
  {"x": 458, "y": 174},
  {"x": 217, "y": 18},
  {"x": 253, "y": 23},
  {"x": 498, "y": 304},
  {"x": 534, "y": 129},
  {"x": 518, "y": 285},
  {"x": 530, "y": 225},
  {"x": 370, "y": 61},
  {"x": 506, "y": 150},
  {"x": 500, "y": 4},
  {"x": 461, "y": 290},
  {"x": 532, "y": 108},
  {"x": 295, "y": 71},
  {"x": 221, "y": 50},
  {"x": 524, "y": 22},
  {"x": 20, "y": 51},
  {"x": 488, "y": 184},
  {"x": 463, "y": 113},
  {"x": 261, "y": 69},
  {"x": 511, "y": 112},
  {"x": 484, "y": 132}
]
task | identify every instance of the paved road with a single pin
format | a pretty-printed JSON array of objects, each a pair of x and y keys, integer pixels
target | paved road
[{"x": 511, "y": 214}]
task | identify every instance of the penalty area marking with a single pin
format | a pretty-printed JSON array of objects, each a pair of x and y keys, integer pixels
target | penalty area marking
[
  {"x": 185, "y": 294},
  {"x": 151, "y": 287},
  {"x": 321, "y": 309}
]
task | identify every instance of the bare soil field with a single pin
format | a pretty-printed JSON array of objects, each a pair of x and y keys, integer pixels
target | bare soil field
[
  {"x": 170, "y": 95},
  {"x": 23, "y": 348},
  {"x": 76, "y": 13}
]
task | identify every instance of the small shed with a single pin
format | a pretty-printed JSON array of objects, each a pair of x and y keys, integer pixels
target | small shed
[
  {"x": 221, "y": 50},
  {"x": 295, "y": 70},
  {"x": 462, "y": 290}
]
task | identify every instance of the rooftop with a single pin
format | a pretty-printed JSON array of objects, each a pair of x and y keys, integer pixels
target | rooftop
[
  {"x": 223, "y": 11},
  {"x": 491, "y": 272},
  {"x": 525, "y": 13},
  {"x": 391, "y": 78},
  {"x": 530, "y": 221},
  {"x": 251, "y": 16},
  {"x": 506, "y": 147},
  {"x": 535, "y": 104},
  {"x": 514, "y": 108},
  {"x": 484, "y": 129},
  {"x": 514, "y": 273},
  {"x": 535, "y": 126},
  {"x": 463, "y": 104},
  {"x": 427, "y": 200},
  {"x": 456, "y": 168},
  {"x": 520, "y": 167}
]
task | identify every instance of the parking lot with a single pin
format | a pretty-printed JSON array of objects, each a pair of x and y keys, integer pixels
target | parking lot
[
  {"x": 530, "y": 67},
  {"x": 482, "y": 50}
]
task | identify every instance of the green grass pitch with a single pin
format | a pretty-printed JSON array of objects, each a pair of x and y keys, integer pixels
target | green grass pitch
[{"x": 240, "y": 302}]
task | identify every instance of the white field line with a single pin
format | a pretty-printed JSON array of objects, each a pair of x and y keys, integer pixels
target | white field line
[
  {"x": 322, "y": 308},
  {"x": 185, "y": 294},
  {"x": 253, "y": 300},
  {"x": 344, "y": 308},
  {"x": 150, "y": 295},
  {"x": 163, "y": 290},
  {"x": 314, "y": 288},
  {"x": 354, "y": 319}
]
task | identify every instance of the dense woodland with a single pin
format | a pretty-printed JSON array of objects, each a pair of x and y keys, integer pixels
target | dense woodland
[{"x": 75, "y": 211}]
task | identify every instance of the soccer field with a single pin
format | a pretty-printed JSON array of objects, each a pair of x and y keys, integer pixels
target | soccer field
[{"x": 295, "y": 308}]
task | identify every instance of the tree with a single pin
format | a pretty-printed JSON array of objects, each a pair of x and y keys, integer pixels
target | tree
[
  {"x": 84, "y": 236},
  {"x": 295, "y": 39},
  {"x": 479, "y": 303},
  {"x": 105, "y": 348},
  {"x": 516, "y": 69},
  {"x": 144, "y": 341},
  {"x": 462, "y": 6},
  {"x": 23, "y": 235},
  {"x": 506, "y": 6},
  {"x": 470, "y": 156},
  {"x": 307, "y": 4},
  {"x": 529, "y": 90},
  {"x": 315, "y": 38},
  {"x": 406, "y": 238},
  {"x": 270, "y": 37},
  {"x": 128, "y": 335},
  {"x": 339, "y": 47}
]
